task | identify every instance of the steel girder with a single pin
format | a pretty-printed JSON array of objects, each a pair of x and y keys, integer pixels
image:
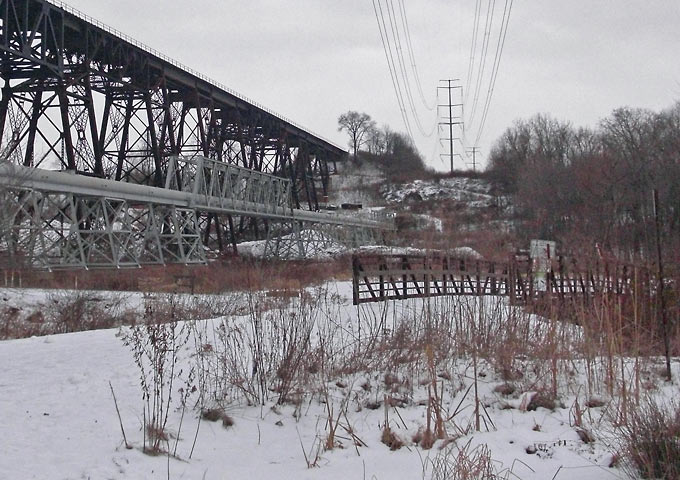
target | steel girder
[
  {"x": 213, "y": 188},
  {"x": 78, "y": 96}
]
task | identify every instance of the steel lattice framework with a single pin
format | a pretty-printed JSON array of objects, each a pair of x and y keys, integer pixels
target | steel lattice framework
[{"x": 78, "y": 96}]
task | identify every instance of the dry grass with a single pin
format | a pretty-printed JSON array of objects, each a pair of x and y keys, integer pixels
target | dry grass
[
  {"x": 292, "y": 346},
  {"x": 294, "y": 349},
  {"x": 542, "y": 400},
  {"x": 226, "y": 274},
  {"x": 650, "y": 440},
  {"x": 391, "y": 439},
  {"x": 505, "y": 389},
  {"x": 217, "y": 415},
  {"x": 464, "y": 463},
  {"x": 66, "y": 312}
]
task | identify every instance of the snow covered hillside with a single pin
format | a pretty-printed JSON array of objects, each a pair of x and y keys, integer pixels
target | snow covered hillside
[
  {"x": 435, "y": 211},
  {"x": 473, "y": 192}
]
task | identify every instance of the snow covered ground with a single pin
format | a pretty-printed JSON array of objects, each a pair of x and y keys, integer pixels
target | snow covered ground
[
  {"x": 474, "y": 193},
  {"x": 58, "y": 419},
  {"x": 355, "y": 184},
  {"x": 319, "y": 246}
]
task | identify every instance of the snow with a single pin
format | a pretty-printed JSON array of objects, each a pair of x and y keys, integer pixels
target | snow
[
  {"x": 458, "y": 252},
  {"x": 320, "y": 245},
  {"x": 355, "y": 183},
  {"x": 26, "y": 299},
  {"x": 58, "y": 419},
  {"x": 474, "y": 193},
  {"x": 424, "y": 221}
]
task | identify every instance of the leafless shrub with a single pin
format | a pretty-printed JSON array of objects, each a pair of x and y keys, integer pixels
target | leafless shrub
[
  {"x": 266, "y": 351},
  {"x": 79, "y": 311},
  {"x": 650, "y": 440},
  {"x": 464, "y": 463},
  {"x": 66, "y": 312},
  {"x": 15, "y": 325},
  {"x": 156, "y": 345}
]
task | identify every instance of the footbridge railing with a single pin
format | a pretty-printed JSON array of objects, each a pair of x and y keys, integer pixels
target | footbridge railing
[{"x": 384, "y": 277}]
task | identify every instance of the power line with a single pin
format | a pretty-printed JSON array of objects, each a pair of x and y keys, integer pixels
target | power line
[
  {"x": 497, "y": 61},
  {"x": 404, "y": 17},
  {"x": 400, "y": 58},
  {"x": 402, "y": 65},
  {"x": 473, "y": 46},
  {"x": 388, "y": 56},
  {"x": 392, "y": 45},
  {"x": 488, "y": 26}
]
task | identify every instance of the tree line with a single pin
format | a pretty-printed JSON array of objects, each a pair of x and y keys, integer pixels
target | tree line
[
  {"x": 594, "y": 186},
  {"x": 393, "y": 151}
]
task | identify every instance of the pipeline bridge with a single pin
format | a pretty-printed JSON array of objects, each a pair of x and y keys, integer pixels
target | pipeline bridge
[{"x": 115, "y": 155}]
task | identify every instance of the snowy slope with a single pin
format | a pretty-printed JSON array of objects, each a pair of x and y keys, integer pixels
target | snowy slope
[
  {"x": 475, "y": 193},
  {"x": 58, "y": 420}
]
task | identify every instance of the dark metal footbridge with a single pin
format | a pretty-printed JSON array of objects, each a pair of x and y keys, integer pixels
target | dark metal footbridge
[{"x": 378, "y": 278}]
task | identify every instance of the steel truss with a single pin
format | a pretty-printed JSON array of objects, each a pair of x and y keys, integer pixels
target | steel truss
[
  {"x": 66, "y": 230},
  {"x": 81, "y": 97},
  {"x": 297, "y": 240},
  {"x": 64, "y": 220}
]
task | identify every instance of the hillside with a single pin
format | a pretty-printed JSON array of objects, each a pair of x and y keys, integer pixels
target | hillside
[{"x": 436, "y": 211}]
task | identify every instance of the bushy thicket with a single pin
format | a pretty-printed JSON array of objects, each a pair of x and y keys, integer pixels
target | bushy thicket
[
  {"x": 585, "y": 185},
  {"x": 396, "y": 154},
  {"x": 651, "y": 440}
]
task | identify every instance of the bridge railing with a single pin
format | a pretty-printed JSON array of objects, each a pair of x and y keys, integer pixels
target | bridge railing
[{"x": 384, "y": 277}]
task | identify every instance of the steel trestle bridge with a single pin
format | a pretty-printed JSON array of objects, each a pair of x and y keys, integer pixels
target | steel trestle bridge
[{"x": 115, "y": 155}]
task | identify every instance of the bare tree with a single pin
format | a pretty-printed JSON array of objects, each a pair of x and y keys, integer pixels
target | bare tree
[
  {"x": 357, "y": 125},
  {"x": 376, "y": 141},
  {"x": 583, "y": 185}
]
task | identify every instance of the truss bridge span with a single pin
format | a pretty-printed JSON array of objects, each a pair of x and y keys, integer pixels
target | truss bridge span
[
  {"x": 61, "y": 219},
  {"x": 157, "y": 154}
]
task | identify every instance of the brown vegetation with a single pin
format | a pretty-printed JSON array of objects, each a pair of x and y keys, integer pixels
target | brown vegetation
[
  {"x": 582, "y": 186},
  {"x": 227, "y": 273}
]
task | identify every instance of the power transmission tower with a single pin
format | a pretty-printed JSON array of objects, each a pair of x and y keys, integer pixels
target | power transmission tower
[
  {"x": 450, "y": 121},
  {"x": 473, "y": 151}
]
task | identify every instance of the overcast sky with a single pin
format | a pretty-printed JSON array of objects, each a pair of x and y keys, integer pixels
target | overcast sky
[{"x": 312, "y": 60}]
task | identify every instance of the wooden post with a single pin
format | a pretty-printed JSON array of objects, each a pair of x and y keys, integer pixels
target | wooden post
[
  {"x": 404, "y": 263},
  {"x": 660, "y": 286},
  {"x": 355, "y": 280},
  {"x": 561, "y": 271},
  {"x": 426, "y": 276},
  {"x": 445, "y": 270}
]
